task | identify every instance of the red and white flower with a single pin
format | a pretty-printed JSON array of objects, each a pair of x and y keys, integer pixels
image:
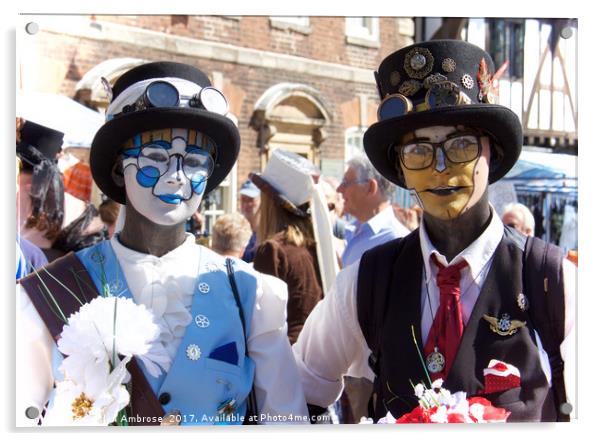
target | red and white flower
[{"x": 438, "y": 405}]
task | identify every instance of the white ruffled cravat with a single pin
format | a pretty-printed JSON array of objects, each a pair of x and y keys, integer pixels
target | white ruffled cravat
[{"x": 165, "y": 285}]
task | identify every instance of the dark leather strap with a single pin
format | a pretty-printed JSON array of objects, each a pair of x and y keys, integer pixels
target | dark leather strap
[
  {"x": 252, "y": 414},
  {"x": 376, "y": 268},
  {"x": 59, "y": 290},
  {"x": 544, "y": 285}
]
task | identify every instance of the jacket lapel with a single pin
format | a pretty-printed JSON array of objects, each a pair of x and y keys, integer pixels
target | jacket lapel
[{"x": 403, "y": 315}]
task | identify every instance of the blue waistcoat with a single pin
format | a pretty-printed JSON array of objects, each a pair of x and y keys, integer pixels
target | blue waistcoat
[{"x": 210, "y": 377}]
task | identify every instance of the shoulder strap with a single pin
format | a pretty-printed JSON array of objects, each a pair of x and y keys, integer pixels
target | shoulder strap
[
  {"x": 374, "y": 277},
  {"x": 58, "y": 290},
  {"x": 374, "y": 272},
  {"x": 251, "y": 417},
  {"x": 544, "y": 285}
]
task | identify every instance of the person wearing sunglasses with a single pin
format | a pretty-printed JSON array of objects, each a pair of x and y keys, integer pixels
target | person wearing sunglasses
[
  {"x": 461, "y": 295},
  {"x": 222, "y": 354}
]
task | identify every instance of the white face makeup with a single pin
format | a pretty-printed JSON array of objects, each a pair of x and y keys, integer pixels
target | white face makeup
[{"x": 166, "y": 176}]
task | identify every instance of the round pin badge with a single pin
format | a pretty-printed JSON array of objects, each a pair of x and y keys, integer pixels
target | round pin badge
[
  {"x": 522, "y": 301},
  {"x": 418, "y": 63},
  {"x": 467, "y": 81},
  {"x": 193, "y": 352},
  {"x": 448, "y": 65},
  {"x": 202, "y": 321}
]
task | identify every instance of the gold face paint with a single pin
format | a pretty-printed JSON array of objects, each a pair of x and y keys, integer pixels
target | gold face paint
[{"x": 449, "y": 192}]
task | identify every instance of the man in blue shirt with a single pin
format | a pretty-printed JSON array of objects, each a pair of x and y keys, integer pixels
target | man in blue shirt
[{"x": 366, "y": 195}]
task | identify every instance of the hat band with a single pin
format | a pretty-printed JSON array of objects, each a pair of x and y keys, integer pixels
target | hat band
[{"x": 167, "y": 92}]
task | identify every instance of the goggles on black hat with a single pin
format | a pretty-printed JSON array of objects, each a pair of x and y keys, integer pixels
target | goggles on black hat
[
  {"x": 164, "y": 94},
  {"x": 442, "y": 94}
]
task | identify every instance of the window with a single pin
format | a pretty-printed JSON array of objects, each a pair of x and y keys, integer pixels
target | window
[
  {"x": 354, "y": 142},
  {"x": 362, "y": 30},
  {"x": 220, "y": 201},
  {"x": 506, "y": 43}
]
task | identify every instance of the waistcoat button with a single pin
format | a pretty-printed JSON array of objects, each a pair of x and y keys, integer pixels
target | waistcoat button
[{"x": 164, "y": 398}]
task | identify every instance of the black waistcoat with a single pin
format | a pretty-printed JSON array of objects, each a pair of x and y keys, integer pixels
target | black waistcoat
[{"x": 399, "y": 362}]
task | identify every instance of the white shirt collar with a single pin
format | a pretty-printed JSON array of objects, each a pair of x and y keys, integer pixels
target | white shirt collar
[
  {"x": 381, "y": 220},
  {"x": 477, "y": 254}
]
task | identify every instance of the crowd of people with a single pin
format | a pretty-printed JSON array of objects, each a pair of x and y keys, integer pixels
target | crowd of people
[{"x": 318, "y": 297}]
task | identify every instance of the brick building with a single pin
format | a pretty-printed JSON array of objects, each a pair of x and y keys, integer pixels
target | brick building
[{"x": 301, "y": 83}]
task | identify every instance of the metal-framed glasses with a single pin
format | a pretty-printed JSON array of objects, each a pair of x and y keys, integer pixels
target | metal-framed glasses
[
  {"x": 345, "y": 184},
  {"x": 154, "y": 161},
  {"x": 418, "y": 155}
]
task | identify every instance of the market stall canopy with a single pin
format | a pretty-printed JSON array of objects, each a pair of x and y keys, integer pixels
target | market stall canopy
[
  {"x": 77, "y": 122},
  {"x": 544, "y": 172}
]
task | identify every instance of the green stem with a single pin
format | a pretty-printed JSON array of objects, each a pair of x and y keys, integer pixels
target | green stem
[
  {"x": 428, "y": 377},
  {"x": 65, "y": 287},
  {"x": 114, "y": 332},
  {"x": 58, "y": 308}
]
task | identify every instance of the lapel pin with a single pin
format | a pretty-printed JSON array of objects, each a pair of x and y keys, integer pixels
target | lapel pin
[
  {"x": 202, "y": 321},
  {"x": 522, "y": 301},
  {"x": 448, "y": 65},
  {"x": 193, "y": 352},
  {"x": 503, "y": 326}
]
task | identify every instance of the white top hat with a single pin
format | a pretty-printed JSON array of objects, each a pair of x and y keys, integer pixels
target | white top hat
[{"x": 292, "y": 181}]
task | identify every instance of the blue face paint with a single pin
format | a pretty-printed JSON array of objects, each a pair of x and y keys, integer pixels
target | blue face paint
[
  {"x": 147, "y": 176},
  {"x": 198, "y": 186}
]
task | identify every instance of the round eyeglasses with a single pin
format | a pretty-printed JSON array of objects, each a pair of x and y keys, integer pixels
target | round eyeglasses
[
  {"x": 154, "y": 161},
  {"x": 418, "y": 155}
]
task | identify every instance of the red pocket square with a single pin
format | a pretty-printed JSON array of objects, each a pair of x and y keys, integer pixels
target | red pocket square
[{"x": 500, "y": 376}]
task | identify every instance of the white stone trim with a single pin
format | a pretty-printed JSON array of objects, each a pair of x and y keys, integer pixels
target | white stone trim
[
  {"x": 280, "y": 23},
  {"x": 83, "y": 27}
]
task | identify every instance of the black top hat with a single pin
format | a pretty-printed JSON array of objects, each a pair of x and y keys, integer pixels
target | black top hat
[
  {"x": 135, "y": 108},
  {"x": 45, "y": 140},
  {"x": 445, "y": 83}
]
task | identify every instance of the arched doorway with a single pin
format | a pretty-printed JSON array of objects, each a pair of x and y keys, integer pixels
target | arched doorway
[
  {"x": 291, "y": 117},
  {"x": 90, "y": 90}
]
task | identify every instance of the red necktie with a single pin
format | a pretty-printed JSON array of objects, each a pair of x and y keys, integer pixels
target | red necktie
[{"x": 447, "y": 327}]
